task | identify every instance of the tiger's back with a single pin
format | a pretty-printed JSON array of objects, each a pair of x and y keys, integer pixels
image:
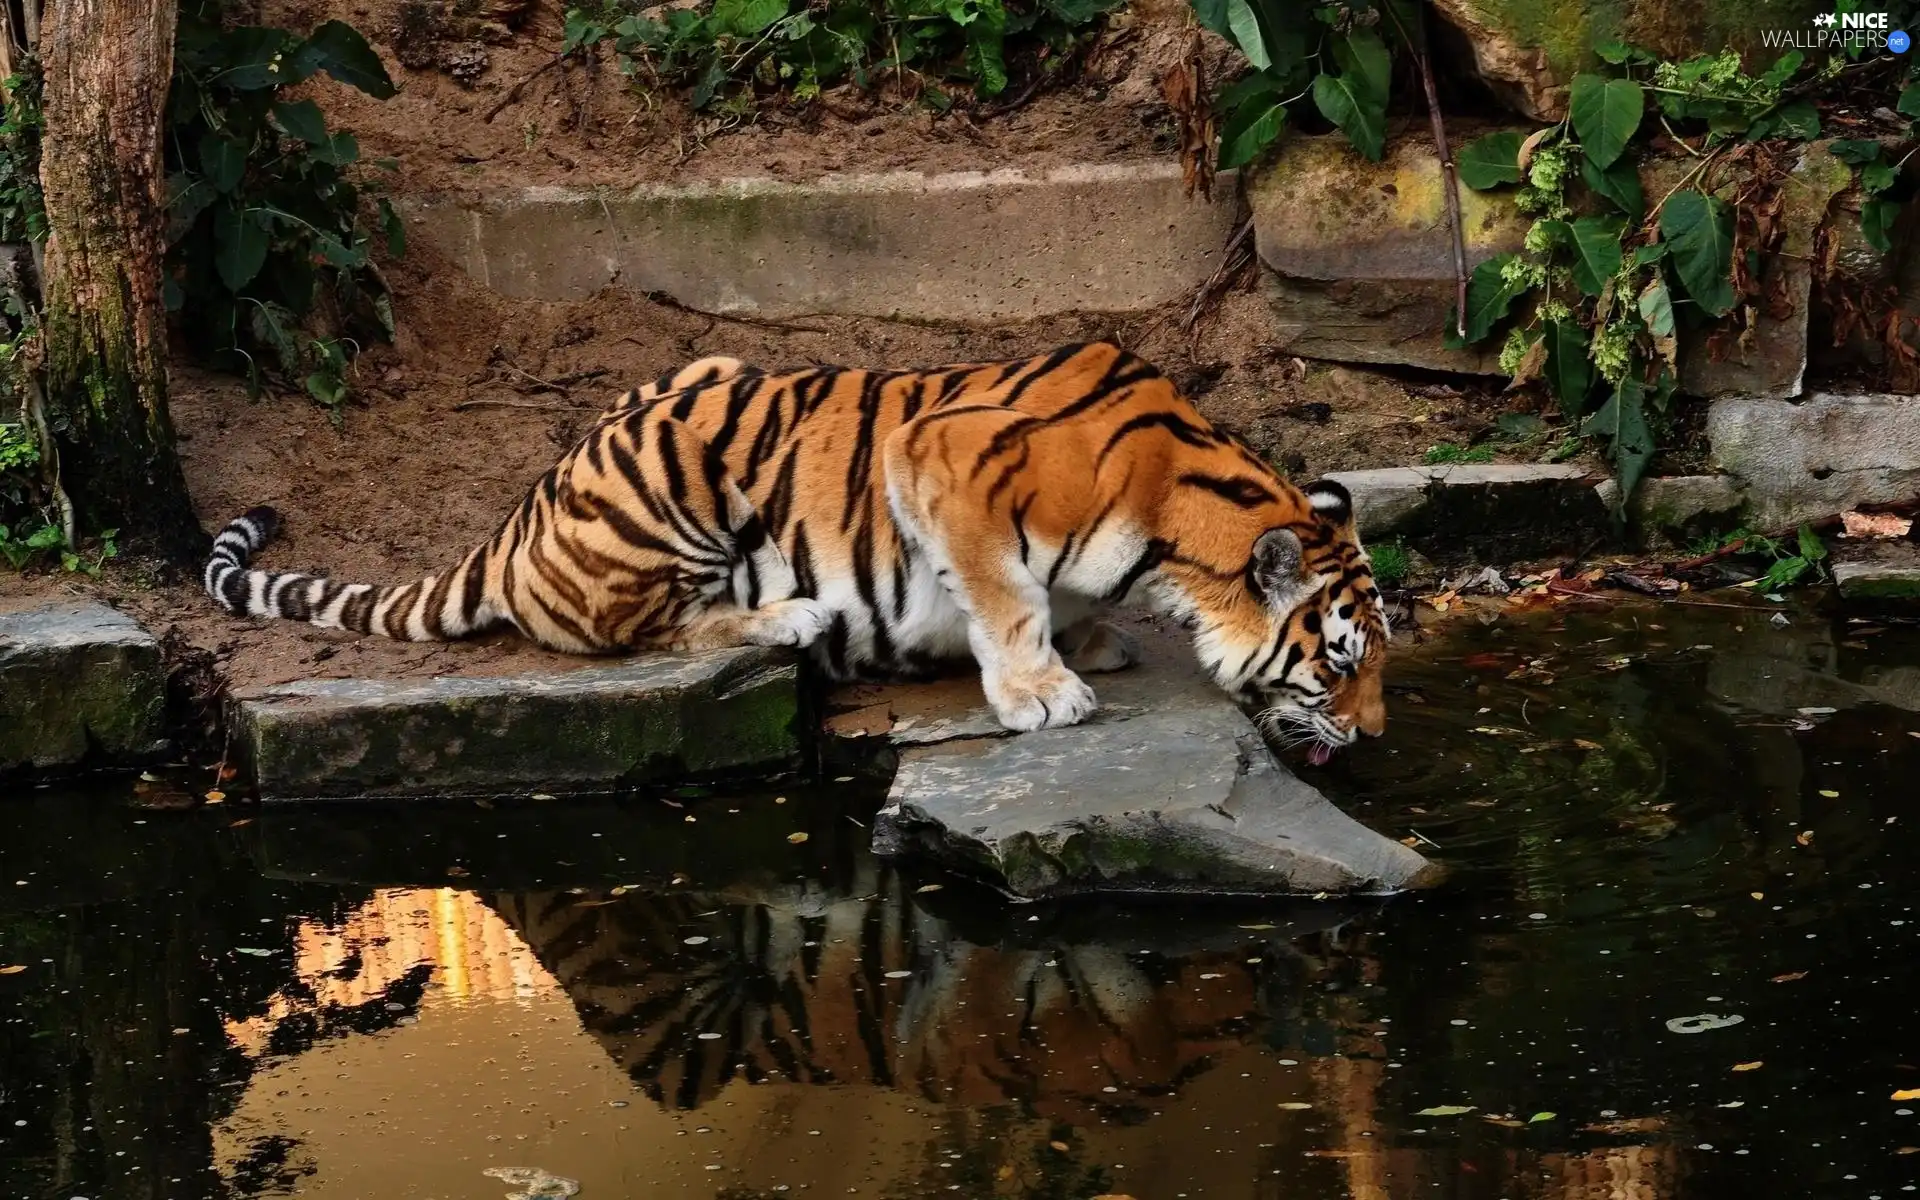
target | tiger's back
[{"x": 895, "y": 519}]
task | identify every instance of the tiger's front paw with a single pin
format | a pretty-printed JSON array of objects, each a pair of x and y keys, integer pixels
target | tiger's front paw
[
  {"x": 1046, "y": 700},
  {"x": 791, "y": 623}
]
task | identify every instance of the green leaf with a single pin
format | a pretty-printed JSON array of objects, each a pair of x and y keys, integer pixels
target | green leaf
[
  {"x": 302, "y": 119},
  {"x": 223, "y": 160},
  {"x": 45, "y": 538},
  {"x": 1876, "y": 177},
  {"x": 1656, "y": 309},
  {"x": 254, "y": 57},
  {"x": 1858, "y": 151},
  {"x": 1698, "y": 231},
  {"x": 747, "y": 17},
  {"x": 1650, "y": 253},
  {"x": 1619, "y": 184},
  {"x": 1605, "y": 113},
  {"x": 1489, "y": 296},
  {"x": 1568, "y": 372},
  {"x": 393, "y": 227},
  {"x": 1490, "y": 161},
  {"x": 340, "y": 150},
  {"x": 1243, "y": 26},
  {"x": 1596, "y": 250},
  {"x": 1356, "y": 99},
  {"x": 1614, "y": 51},
  {"x": 187, "y": 198},
  {"x": 1622, "y": 420},
  {"x": 1799, "y": 119},
  {"x": 338, "y": 49},
  {"x": 1877, "y": 218},
  {"x": 1252, "y": 126},
  {"x": 1538, "y": 1117},
  {"x": 1910, "y": 100},
  {"x": 240, "y": 247},
  {"x": 1445, "y": 1110},
  {"x": 984, "y": 59},
  {"x": 1811, "y": 548}
]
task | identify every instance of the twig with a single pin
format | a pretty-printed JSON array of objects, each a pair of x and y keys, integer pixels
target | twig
[
  {"x": 1731, "y": 547},
  {"x": 560, "y": 406},
  {"x": 1233, "y": 260},
  {"x": 513, "y": 93},
  {"x": 1449, "y": 172},
  {"x": 1653, "y": 214}
]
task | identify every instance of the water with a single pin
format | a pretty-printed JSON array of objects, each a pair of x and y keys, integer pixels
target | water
[{"x": 368, "y": 1003}]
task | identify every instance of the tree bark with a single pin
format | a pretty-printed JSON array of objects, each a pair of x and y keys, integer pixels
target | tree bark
[{"x": 107, "y": 64}]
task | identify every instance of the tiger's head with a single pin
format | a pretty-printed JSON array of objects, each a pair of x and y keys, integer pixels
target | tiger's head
[{"x": 1280, "y": 596}]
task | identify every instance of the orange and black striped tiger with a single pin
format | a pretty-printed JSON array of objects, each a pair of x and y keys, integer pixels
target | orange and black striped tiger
[{"x": 890, "y": 520}]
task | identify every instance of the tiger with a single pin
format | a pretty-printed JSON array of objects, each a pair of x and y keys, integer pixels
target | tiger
[{"x": 892, "y": 522}]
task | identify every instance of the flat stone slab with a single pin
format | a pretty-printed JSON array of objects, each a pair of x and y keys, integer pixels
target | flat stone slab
[
  {"x": 1485, "y": 512},
  {"x": 1169, "y": 788},
  {"x": 1826, "y": 454},
  {"x": 81, "y": 685},
  {"x": 656, "y": 718},
  {"x": 960, "y": 246},
  {"x": 1883, "y": 574}
]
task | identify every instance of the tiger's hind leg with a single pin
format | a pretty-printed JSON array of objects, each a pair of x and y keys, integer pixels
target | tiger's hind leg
[
  {"x": 1092, "y": 647},
  {"x": 797, "y": 622}
]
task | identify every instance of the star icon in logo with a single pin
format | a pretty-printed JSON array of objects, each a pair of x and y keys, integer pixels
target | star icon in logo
[{"x": 1826, "y": 19}]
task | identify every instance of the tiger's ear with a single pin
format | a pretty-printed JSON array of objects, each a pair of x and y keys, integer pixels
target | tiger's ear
[
  {"x": 1331, "y": 502},
  {"x": 1275, "y": 569}
]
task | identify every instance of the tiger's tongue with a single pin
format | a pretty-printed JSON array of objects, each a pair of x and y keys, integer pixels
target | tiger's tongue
[{"x": 1320, "y": 755}]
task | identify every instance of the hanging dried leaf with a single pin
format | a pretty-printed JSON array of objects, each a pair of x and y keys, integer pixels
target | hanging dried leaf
[{"x": 1185, "y": 91}]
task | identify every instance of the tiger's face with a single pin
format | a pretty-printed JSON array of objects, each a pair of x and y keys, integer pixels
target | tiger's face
[{"x": 1301, "y": 635}]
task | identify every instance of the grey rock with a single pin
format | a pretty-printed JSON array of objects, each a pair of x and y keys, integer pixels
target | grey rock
[
  {"x": 1479, "y": 512},
  {"x": 655, "y": 718},
  {"x": 80, "y": 685},
  {"x": 1669, "y": 509},
  {"x": 1185, "y": 799},
  {"x": 1882, "y": 574},
  {"x": 1801, "y": 462}
]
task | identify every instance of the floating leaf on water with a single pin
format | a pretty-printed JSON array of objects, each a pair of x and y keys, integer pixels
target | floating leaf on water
[
  {"x": 1294, "y": 1105},
  {"x": 239, "y": 823},
  {"x": 779, "y": 799},
  {"x": 1749, "y": 1066},
  {"x": 1259, "y": 927},
  {"x": 1445, "y": 1110},
  {"x": 696, "y": 940},
  {"x": 535, "y": 1183},
  {"x": 1804, "y": 837},
  {"x": 1702, "y": 1023},
  {"x": 149, "y": 777},
  {"x": 1329, "y": 1154},
  {"x": 1908, "y": 1150},
  {"x": 456, "y": 871},
  {"x": 1758, "y": 895},
  {"x": 1060, "y": 1146},
  {"x": 1584, "y": 744},
  {"x": 1541, "y": 1116},
  {"x": 216, "y": 796},
  {"x": 709, "y": 1037},
  {"x": 1789, "y": 977},
  {"x": 1816, "y": 711},
  {"x": 796, "y": 838},
  {"x": 540, "y": 796},
  {"x": 1829, "y": 793},
  {"x": 15, "y": 969},
  {"x": 1734, "y": 1104},
  {"x": 1004, "y": 1173},
  {"x": 924, "y": 888},
  {"x": 899, "y": 974},
  {"x": 253, "y": 951},
  {"x": 1907, "y": 1094}
]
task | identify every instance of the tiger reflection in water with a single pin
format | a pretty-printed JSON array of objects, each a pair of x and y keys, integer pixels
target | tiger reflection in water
[{"x": 796, "y": 986}]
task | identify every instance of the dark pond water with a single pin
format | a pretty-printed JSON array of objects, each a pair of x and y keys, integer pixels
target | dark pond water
[{"x": 1655, "y": 815}]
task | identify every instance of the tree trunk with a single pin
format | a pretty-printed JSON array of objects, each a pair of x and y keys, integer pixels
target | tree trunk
[{"x": 107, "y": 66}]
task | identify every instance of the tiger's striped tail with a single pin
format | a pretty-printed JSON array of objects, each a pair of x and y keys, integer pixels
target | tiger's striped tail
[{"x": 437, "y": 608}]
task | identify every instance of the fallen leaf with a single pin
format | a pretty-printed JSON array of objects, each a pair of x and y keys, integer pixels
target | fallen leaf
[
  {"x": 1541, "y": 1116},
  {"x": 15, "y": 969},
  {"x": 928, "y": 887},
  {"x": 1758, "y": 895},
  {"x": 239, "y": 823},
  {"x": 1504, "y": 1122},
  {"x": 1445, "y": 1110},
  {"x": 149, "y": 777},
  {"x": 1908, "y": 1150},
  {"x": 1060, "y": 1146},
  {"x": 1330, "y": 1154},
  {"x": 1294, "y": 1105},
  {"x": 1749, "y": 1066},
  {"x": 1789, "y": 977},
  {"x": 1259, "y": 927},
  {"x": 215, "y": 797},
  {"x": 253, "y": 952},
  {"x": 1831, "y": 795},
  {"x": 796, "y": 838},
  {"x": 457, "y": 872},
  {"x": 1004, "y": 1173},
  {"x": 1627, "y": 1125},
  {"x": 1907, "y": 1094},
  {"x": 1874, "y": 525},
  {"x": 1584, "y": 744},
  {"x": 1804, "y": 837}
]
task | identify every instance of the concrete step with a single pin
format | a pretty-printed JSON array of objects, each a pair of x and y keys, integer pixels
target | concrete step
[{"x": 81, "y": 685}]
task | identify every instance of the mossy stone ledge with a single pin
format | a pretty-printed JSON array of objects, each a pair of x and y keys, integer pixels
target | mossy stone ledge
[{"x": 81, "y": 685}]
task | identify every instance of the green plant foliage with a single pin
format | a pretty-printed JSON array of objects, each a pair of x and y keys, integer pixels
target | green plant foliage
[
  {"x": 1698, "y": 231},
  {"x": 1490, "y": 161},
  {"x": 737, "y": 48},
  {"x": 264, "y": 208},
  {"x": 1339, "y": 56},
  {"x": 1448, "y": 452},
  {"x": 23, "y": 213},
  {"x": 1605, "y": 113}
]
